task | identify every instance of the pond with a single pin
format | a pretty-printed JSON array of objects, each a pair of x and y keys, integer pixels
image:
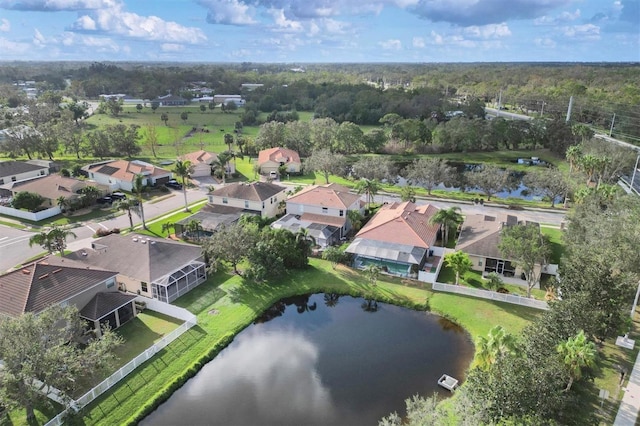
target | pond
[{"x": 322, "y": 360}]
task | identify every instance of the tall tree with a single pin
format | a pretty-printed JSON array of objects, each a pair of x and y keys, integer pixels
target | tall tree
[
  {"x": 378, "y": 167},
  {"x": 168, "y": 226},
  {"x": 577, "y": 353},
  {"x": 183, "y": 169},
  {"x": 460, "y": 263},
  {"x": 324, "y": 161},
  {"x": 127, "y": 205},
  {"x": 151, "y": 139},
  {"x": 498, "y": 343},
  {"x": 57, "y": 360},
  {"x": 429, "y": 172},
  {"x": 447, "y": 219},
  {"x": 55, "y": 239},
  {"x": 528, "y": 248},
  {"x": 573, "y": 155},
  {"x": 489, "y": 179},
  {"x": 548, "y": 183},
  {"x": 230, "y": 244}
]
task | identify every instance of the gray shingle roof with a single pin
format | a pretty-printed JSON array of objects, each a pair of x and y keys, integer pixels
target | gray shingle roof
[
  {"x": 256, "y": 191},
  {"x": 104, "y": 303},
  {"x": 11, "y": 168},
  {"x": 136, "y": 256}
]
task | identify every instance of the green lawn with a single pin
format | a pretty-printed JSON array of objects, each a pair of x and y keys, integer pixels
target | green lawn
[
  {"x": 155, "y": 228},
  {"x": 227, "y": 304},
  {"x": 557, "y": 246}
]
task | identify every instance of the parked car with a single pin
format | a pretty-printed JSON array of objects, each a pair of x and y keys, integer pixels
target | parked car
[
  {"x": 105, "y": 200},
  {"x": 173, "y": 184},
  {"x": 118, "y": 196}
]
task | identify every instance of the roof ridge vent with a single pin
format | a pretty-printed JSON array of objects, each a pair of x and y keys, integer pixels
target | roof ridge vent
[{"x": 43, "y": 276}]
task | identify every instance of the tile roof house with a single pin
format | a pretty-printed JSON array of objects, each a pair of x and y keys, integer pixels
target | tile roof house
[
  {"x": 210, "y": 218},
  {"x": 480, "y": 237},
  {"x": 201, "y": 162},
  {"x": 121, "y": 174},
  {"x": 14, "y": 171},
  {"x": 271, "y": 159},
  {"x": 326, "y": 204},
  {"x": 50, "y": 188},
  {"x": 153, "y": 267},
  {"x": 398, "y": 238},
  {"x": 261, "y": 198},
  {"x": 36, "y": 286}
]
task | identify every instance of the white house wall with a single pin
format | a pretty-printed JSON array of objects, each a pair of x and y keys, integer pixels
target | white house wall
[
  {"x": 267, "y": 208},
  {"x": 24, "y": 176}
]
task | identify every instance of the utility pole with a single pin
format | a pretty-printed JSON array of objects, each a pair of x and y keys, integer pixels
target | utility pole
[
  {"x": 635, "y": 169},
  {"x": 613, "y": 120},
  {"x": 569, "y": 109},
  {"x": 500, "y": 100},
  {"x": 542, "y": 109}
]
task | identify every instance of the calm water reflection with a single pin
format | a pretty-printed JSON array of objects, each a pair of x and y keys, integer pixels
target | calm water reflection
[{"x": 321, "y": 361}]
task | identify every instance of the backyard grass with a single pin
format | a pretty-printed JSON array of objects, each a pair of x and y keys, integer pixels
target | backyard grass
[
  {"x": 227, "y": 304},
  {"x": 557, "y": 246},
  {"x": 154, "y": 227}
]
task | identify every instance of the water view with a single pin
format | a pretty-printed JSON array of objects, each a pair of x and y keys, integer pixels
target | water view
[{"x": 322, "y": 360}]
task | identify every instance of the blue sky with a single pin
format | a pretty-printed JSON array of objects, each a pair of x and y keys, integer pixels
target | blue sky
[{"x": 299, "y": 31}]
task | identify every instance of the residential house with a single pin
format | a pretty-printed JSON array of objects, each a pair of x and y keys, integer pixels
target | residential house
[
  {"x": 480, "y": 237},
  {"x": 51, "y": 188},
  {"x": 210, "y": 218},
  {"x": 262, "y": 198},
  {"x": 121, "y": 174},
  {"x": 171, "y": 100},
  {"x": 14, "y": 171},
  {"x": 201, "y": 162},
  {"x": 152, "y": 267},
  {"x": 226, "y": 99},
  {"x": 323, "y": 205},
  {"x": 323, "y": 234},
  {"x": 399, "y": 239},
  {"x": 39, "y": 285},
  {"x": 270, "y": 160}
]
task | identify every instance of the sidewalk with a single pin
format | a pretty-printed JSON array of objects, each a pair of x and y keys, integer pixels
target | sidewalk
[{"x": 630, "y": 406}]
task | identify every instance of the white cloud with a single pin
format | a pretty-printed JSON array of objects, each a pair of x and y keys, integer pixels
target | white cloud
[
  {"x": 282, "y": 22},
  {"x": 231, "y": 12},
  {"x": 418, "y": 42},
  {"x": 490, "y": 31},
  {"x": 563, "y": 18},
  {"x": 119, "y": 22},
  {"x": 545, "y": 42},
  {"x": 5, "y": 25},
  {"x": 586, "y": 32},
  {"x": 57, "y": 5},
  {"x": 392, "y": 44},
  {"x": 171, "y": 47},
  {"x": 13, "y": 47},
  {"x": 38, "y": 38}
]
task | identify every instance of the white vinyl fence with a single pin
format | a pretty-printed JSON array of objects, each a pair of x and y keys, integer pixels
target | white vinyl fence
[
  {"x": 35, "y": 217},
  {"x": 491, "y": 295},
  {"x": 105, "y": 385}
]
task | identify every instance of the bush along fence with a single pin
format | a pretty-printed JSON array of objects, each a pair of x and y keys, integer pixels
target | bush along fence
[
  {"x": 105, "y": 385},
  {"x": 491, "y": 295}
]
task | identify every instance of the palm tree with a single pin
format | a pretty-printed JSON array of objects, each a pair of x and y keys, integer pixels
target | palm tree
[
  {"x": 44, "y": 240},
  {"x": 573, "y": 154},
  {"x": 63, "y": 203},
  {"x": 355, "y": 217},
  {"x": 220, "y": 166},
  {"x": 183, "y": 169},
  {"x": 460, "y": 263},
  {"x": 447, "y": 218},
  {"x": 59, "y": 238},
  {"x": 498, "y": 343},
  {"x": 369, "y": 187},
  {"x": 228, "y": 139},
  {"x": 168, "y": 226},
  {"x": 138, "y": 188},
  {"x": 372, "y": 272},
  {"x": 89, "y": 195},
  {"x": 194, "y": 227},
  {"x": 126, "y": 205},
  {"x": 577, "y": 352}
]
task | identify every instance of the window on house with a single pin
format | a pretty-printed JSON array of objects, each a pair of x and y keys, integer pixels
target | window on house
[
  {"x": 341, "y": 213},
  {"x": 479, "y": 262},
  {"x": 13, "y": 179},
  {"x": 246, "y": 204},
  {"x": 325, "y": 210},
  {"x": 143, "y": 286},
  {"x": 1, "y": 181},
  {"x": 225, "y": 201},
  {"x": 111, "y": 282},
  {"x": 263, "y": 204},
  {"x": 41, "y": 172}
]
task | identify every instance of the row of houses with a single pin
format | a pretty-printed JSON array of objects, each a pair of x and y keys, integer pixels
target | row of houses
[{"x": 174, "y": 100}]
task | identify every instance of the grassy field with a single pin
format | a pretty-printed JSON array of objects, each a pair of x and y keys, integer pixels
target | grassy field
[
  {"x": 227, "y": 304},
  {"x": 555, "y": 238}
]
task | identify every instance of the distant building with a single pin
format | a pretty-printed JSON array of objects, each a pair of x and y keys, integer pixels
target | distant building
[
  {"x": 121, "y": 174},
  {"x": 171, "y": 100},
  {"x": 271, "y": 159},
  {"x": 250, "y": 87}
]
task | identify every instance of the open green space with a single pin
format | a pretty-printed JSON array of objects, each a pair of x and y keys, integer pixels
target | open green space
[
  {"x": 226, "y": 304},
  {"x": 555, "y": 238}
]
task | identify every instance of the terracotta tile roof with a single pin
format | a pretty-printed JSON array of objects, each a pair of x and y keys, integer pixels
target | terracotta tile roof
[
  {"x": 480, "y": 234},
  {"x": 402, "y": 223},
  {"x": 104, "y": 303},
  {"x": 256, "y": 191},
  {"x": 53, "y": 186},
  {"x": 278, "y": 155},
  {"x": 136, "y": 256},
  {"x": 200, "y": 157},
  {"x": 332, "y": 195},
  {"x": 10, "y": 168},
  {"x": 39, "y": 285},
  {"x": 127, "y": 170}
]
